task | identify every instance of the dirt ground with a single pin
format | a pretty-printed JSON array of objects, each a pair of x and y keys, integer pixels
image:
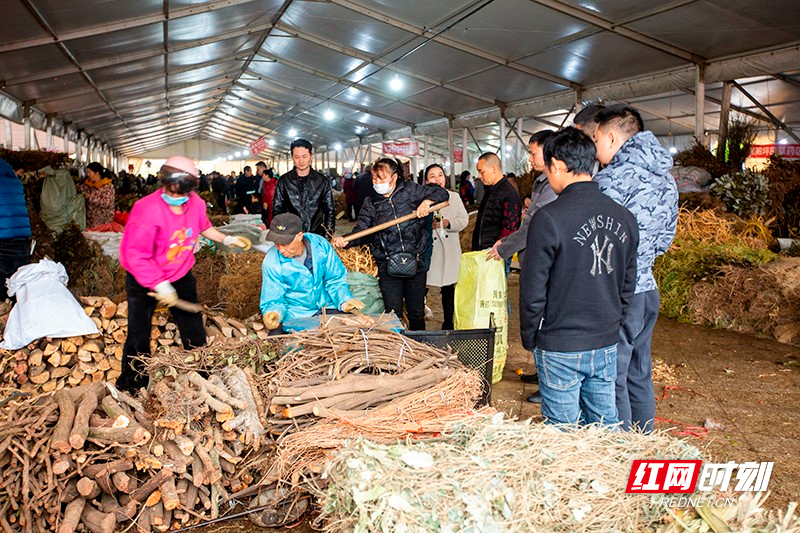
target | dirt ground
[{"x": 749, "y": 385}]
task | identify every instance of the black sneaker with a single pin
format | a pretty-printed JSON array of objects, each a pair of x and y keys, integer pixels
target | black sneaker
[
  {"x": 536, "y": 397},
  {"x": 529, "y": 378}
]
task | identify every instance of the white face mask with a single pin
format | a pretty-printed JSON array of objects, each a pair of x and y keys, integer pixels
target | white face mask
[{"x": 382, "y": 188}]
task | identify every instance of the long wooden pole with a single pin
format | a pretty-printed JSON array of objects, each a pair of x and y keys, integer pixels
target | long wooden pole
[{"x": 390, "y": 223}]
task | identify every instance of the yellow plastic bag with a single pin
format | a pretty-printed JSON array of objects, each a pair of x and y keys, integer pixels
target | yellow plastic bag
[{"x": 482, "y": 290}]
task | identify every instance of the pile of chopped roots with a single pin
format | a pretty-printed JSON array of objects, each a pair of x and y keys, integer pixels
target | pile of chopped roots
[{"x": 488, "y": 474}]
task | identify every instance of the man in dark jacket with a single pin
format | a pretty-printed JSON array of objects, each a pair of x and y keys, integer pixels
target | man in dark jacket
[
  {"x": 306, "y": 193},
  {"x": 576, "y": 286},
  {"x": 246, "y": 187},
  {"x": 15, "y": 226},
  {"x": 363, "y": 187},
  {"x": 499, "y": 213}
]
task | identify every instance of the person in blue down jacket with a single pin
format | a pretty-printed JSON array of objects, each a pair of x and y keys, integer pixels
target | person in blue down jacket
[
  {"x": 15, "y": 226},
  {"x": 301, "y": 275},
  {"x": 636, "y": 176}
]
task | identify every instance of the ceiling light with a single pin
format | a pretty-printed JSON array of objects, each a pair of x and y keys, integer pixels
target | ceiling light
[
  {"x": 292, "y": 132},
  {"x": 396, "y": 83},
  {"x": 782, "y": 141},
  {"x": 271, "y": 142},
  {"x": 337, "y": 146},
  {"x": 230, "y": 157},
  {"x": 238, "y": 154},
  {"x": 673, "y": 150},
  {"x": 329, "y": 115}
]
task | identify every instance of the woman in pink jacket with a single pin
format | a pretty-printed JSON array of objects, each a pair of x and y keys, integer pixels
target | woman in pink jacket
[{"x": 157, "y": 250}]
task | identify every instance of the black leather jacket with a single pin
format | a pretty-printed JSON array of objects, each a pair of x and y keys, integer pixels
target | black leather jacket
[
  {"x": 407, "y": 237},
  {"x": 308, "y": 197}
]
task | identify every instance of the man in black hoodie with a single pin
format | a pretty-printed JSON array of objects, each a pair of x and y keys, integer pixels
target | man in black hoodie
[{"x": 576, "y": 283}]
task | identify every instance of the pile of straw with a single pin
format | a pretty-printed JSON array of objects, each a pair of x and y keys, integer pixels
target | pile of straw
[{"x": 495, "y": 475}]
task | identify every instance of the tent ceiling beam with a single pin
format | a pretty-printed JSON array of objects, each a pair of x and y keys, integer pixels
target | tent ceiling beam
[
  {"x": 453, "y": 43},
  {"x": 607, "y": 25},
  {"x": 134, "y": 22},
  {"x": 775, "y": 120},
  {"x": 352, "y": 52}
]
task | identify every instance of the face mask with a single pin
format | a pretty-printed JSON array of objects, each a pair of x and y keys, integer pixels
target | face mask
[
  {"x": 382, "y": 188},
  {"x": 173, "y": 201}
]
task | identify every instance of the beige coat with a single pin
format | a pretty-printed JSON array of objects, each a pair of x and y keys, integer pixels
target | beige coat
[{"x": 446, "y": 258}]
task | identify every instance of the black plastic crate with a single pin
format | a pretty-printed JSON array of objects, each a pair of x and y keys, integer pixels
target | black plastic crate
[{"x": 474, "y": 348}]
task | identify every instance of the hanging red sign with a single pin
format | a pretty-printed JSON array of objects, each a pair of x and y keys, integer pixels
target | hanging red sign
[
  {"x": 258, "y": 146},
  {"x": 458, "y": 155},
  {"x": 763, "y": 151},
  {"x": 407, "y": 149}
]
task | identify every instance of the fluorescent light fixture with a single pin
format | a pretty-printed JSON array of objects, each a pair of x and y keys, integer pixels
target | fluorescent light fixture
[
  {"x": 782, "y": 141},
  {"x": 329, "y": 115},
  {"x": 337, "y": 146},
  {"x": 292, "y": 132},
  {"x": 396, "y": 83},
  {"x": 673, "y": 150},
  {"x": 238, "y": 154},
  {"x": 230, "y": 157},
  {"x": 271, "y": 142}
]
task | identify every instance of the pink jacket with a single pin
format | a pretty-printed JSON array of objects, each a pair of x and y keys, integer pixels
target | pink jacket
[{"x": 158, "y": 245}]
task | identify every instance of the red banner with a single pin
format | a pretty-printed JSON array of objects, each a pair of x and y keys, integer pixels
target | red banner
[
  {"x": 407, "y": 149},
  {"x": 458, "y": 155},
  {"x": 258, "y": 146},
  {"x": 763, "y": 151}
]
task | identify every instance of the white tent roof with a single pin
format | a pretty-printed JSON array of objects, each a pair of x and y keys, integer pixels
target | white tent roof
[{"x": 142, "y": 74}]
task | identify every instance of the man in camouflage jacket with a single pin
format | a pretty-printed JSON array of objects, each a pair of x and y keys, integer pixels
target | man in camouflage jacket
[{"x": 636, "y": 175}]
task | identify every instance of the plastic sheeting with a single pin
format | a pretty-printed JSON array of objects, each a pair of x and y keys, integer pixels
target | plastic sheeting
[{"x": 45, "y": 307}]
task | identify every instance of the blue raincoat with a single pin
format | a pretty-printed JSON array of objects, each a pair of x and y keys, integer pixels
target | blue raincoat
[{"x": 288, "y": 287}]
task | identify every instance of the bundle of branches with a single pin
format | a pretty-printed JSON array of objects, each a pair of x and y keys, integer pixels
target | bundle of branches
[
  {"x": 33, "y": 159},
  {"x": 705, "y": 242},
  {"x": 358, "y": 259},
  {"x": 783, "y": 176},
  {"x": 698, "y": 155},
  {"x": 109, "y": 458},
  {"x": 419, "y": 415},
  {"x": 239, "y": 287},
  {"x": 244, "y": 351},
  {"x": 764, "y": 300},
  {"x": 341, "y": 370},
  {"x": 124, "y": 202},
  {"x": 487, "y": 474}
]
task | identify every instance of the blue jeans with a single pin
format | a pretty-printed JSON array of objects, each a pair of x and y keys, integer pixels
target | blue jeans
[{"x": 578, "y": 387}]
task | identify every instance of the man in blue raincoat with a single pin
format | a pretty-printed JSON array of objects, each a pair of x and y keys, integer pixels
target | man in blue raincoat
[{"x": 301, "y": 275}]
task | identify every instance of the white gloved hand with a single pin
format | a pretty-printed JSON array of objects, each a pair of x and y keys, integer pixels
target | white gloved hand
[
  {"x": 352, "y": 305},
  {"x": 166, "y": 294},
  {"x": 271, "y": 320},
  {"x": 237, "y": 242}
]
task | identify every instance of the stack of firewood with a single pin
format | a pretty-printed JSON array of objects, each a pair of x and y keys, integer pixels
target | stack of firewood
[
  {"x": 96, "y": 456},
  {"x": 51, "y": 364}
]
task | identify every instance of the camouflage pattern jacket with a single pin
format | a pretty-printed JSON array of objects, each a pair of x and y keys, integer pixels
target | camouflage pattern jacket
[{"x": 638, "y": 178}]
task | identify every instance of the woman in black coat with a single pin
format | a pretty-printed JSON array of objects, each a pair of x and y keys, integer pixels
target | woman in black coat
[{"x": 398, "y": 250}]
